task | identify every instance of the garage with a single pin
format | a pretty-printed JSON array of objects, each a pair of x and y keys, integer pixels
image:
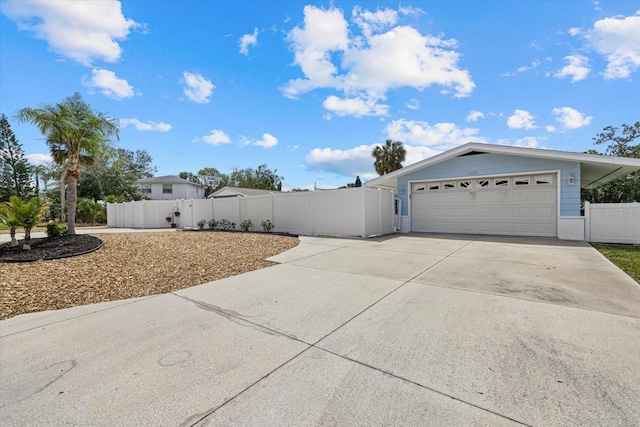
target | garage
[
  {"x": 517, "y": 205},
  {"x": 479, "y": 188}
]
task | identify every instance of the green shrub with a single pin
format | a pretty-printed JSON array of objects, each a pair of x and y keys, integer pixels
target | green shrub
[
  {"x": 246, "y": 225},
  {"x": 89, "y": 211},
  {"x": 267, "y": 225},
  {"x": 225, "y": 224},
  {"x": 201, "y": 224},
  {"x": 213, "y": 224},
  {"x": 55, "y": 229}
]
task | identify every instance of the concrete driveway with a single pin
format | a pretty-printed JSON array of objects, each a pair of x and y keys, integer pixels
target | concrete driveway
[{"x": 398, "y": 330}]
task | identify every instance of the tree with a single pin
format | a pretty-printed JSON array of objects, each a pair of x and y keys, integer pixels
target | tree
[
  {"x": 189, "y": 177},
  {"x": 15, "y": 171},
  {"x": 26, "y": 214},
  {"x": 74, "y": 131},
  {"x": 626, "y": 188},
  {"x": 115, "y": 173},
  {"x": 8, "y": 219},
  {"x": 389, "y": 157},
  {"x": 262, "y": 178}
]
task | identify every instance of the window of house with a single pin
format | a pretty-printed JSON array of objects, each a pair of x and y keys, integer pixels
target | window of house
[
  {"x": 434, "y": 187},
  {"x": 167, "y": 188},
  {"x": 449, "y": 186},
  {"x": 465, "y": 184},
  {"x": 418, "y": 187},
  {"x": 145, "y": 188},
  {"x": 521, "y": 181},
  {"x": 482, "y": 183},
  {"x": 543, "y": 180},
  {"x": 501, "y": 182}
]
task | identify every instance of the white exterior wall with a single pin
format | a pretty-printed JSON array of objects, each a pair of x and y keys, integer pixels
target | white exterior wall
[
  {"x": 612, "y": 222},
  {"x": 348, "y": 212},
  {"x": 179, "y": 191}
]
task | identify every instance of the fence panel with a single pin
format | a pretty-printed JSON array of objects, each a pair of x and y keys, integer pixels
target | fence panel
[
  {"x": 613, "y": 222},
  {"x": 293, "y": 213},
  {"x": 346, "y": 212},
  {"x": 339, "y": 212}
]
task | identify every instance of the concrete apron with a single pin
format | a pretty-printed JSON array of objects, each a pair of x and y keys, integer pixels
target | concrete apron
[{"x": 404, "y": 330}]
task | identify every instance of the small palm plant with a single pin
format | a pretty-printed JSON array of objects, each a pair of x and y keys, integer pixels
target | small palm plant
[
  {"x": 27, "y": 214},
  {"x": 8, "y": 219}
]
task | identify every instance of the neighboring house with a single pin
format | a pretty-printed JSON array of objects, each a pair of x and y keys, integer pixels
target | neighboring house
[
  {"x": 502, "y": 190},
  {"x": 170, "y": 188},
  {"x": 227, "y": 191}
]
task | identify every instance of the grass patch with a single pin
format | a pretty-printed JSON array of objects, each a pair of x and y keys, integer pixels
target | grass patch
[{"x": 626, "y": 257}]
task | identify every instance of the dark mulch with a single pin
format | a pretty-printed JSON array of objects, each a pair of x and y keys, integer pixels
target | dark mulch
[{"x": 50, "y": 248}]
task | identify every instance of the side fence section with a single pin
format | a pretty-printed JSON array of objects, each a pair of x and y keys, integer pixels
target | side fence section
[
  {"x": 359, "y": 211},
  {"x": 612, "y": 222}
]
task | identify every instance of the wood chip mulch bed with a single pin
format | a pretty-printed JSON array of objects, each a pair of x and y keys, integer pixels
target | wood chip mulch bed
[{"x": 132, "y": 265}]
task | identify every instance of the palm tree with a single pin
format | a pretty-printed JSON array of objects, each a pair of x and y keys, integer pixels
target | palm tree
[
  {"x": 74, "y": 133},
  {"x": 24, "y": 214},
  {"x": 389, "y": 157},
  {"x": 9, "y": 219}
]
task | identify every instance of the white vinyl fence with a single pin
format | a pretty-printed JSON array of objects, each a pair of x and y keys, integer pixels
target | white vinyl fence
[
  {"x": 612, "y": 222},
  {"x": 359, "y": 212}
]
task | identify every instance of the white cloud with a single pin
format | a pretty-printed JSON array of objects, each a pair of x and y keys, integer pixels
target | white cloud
[
  {"x": 142, "y": 126},
  {"x": 577, "y": 68},
  {"x": 521, "y": 120},
  {"x": 350, "y": 162},
  {"x": 418, "y": 153},
  {"x": 440, "y": 135},
  {"x": 197, "y": 88},
  {"x": 474, "y": 115},
  {"x": 618, "y": 39},
  {"x": 367, "y": 66},
  {"x": 571, "y": 118},
  {"x": 81, "y": 30},
  {"x": 109, "y": 84},
  {"x": 370, "y": 22},
  {"x": 551, "y": 128},
  {"x": 411, "y": 11},
  {"x": 267, "y": 141},
  {"x": 248, "y": 40},
  {"x": 357, "y": 107},
  {"x": 534, "y": 64},
  {"x": 413, "y": 104},
  {"x": 37, "y": 159},
  {"x": 216, "y": 137},
  {"x": 574, "y": 31},
  {"x": 527, "y": 141},
  {"x": 357, "y": 161}
]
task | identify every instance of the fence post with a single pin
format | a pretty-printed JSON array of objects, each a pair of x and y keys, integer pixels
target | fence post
[
  {"x": 364, "y": 211},
  {"x": 312, "y": 231},
  {"x": 587, "y": 221}
]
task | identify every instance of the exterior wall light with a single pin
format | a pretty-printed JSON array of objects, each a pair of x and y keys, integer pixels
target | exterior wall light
[{"x": 570, "y": 179}]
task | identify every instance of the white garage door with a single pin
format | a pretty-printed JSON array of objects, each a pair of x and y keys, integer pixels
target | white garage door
[{"x": 517, "y": 205}]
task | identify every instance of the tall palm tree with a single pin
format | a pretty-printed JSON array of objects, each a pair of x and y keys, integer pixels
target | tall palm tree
[
  {"x": 74, "y": 133},
  {"x": 389, "y": 157}
]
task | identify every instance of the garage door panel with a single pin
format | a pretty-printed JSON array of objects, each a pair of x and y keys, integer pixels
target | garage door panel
[{"x": 516, "y": 210}]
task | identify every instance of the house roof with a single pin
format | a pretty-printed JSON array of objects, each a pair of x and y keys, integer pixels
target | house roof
[
  {"x": 595, "y": 169},
  {"x": 167, "y": 179},
  {"x": 228, "y": 191}
]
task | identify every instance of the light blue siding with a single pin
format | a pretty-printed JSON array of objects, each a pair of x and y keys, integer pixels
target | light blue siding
[{"x": 498, "y": 164}]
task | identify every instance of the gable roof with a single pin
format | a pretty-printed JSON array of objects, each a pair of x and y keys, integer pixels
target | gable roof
[
  {"x": 595, "y": 169},
  {"x": 167, "y": 179},
  {"x": 228, "y": 191}
]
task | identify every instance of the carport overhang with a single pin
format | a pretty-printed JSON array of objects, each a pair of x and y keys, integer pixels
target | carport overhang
[{"x": 595, "y": 169}]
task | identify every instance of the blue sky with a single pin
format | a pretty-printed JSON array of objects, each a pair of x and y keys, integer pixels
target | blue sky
[{"x": 309, "y": 88}]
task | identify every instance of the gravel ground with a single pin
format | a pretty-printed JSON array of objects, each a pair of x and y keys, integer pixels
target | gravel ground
[{"x": 134, "y": 265}]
